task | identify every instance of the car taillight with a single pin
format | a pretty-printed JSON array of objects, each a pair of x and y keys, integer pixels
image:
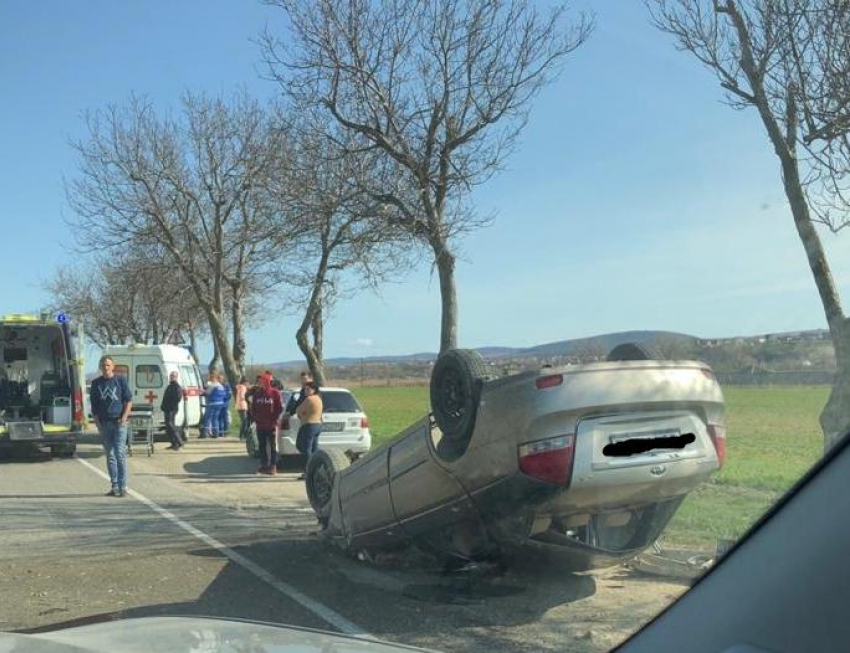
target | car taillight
[
  {"x": 549, "y": 381},
  {"x": 284, "y": 423},
  {"x": 717, "y": 433},
  {"x": 364, "y": 422},
  {"x": 78, "y": 406},
  {"x": 549, "y": 460}
]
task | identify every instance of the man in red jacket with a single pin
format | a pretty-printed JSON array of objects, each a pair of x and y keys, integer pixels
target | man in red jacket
[{"x": 266, "y": 407}]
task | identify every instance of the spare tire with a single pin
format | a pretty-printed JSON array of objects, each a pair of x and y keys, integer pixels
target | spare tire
[
  {"x": 322, "y": 469},
  {"x": 633, "y": 351},
  {"x": 455, "y": 392}
]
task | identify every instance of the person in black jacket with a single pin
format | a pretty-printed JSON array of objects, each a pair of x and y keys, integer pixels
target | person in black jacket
[
  {"x": 298, "y": 398},
  {"x": 170, "y": 405}
]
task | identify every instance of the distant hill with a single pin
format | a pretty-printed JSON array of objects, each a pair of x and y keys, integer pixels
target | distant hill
[
  {"x": 607, "y": 342},
  {"x": 599, "y": 344}
]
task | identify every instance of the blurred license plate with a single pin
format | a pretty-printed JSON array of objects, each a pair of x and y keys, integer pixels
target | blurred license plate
[
  {"x": 626, "y": 437},
  {"x": 330, "y": 427},
  {"x": 25, "y": 430},
  {"x": 631, "y": 444}
]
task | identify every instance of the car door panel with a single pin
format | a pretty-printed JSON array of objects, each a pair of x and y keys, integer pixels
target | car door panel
[
  {"x": 368, "y": 512},
  {"x": 424, "y": 494}
]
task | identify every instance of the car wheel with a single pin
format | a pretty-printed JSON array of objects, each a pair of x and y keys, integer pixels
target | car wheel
[
  {"x": 322, "y": 467},
  {"x": 63, "y": 451},
  {"x": 290, "y": 462},
  {"x": 633, "y": 351},
  {"x": 252, "y": 446},
  {"x": 455, "y": 391}
]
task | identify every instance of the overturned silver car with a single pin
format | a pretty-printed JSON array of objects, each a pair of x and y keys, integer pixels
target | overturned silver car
[{"x": 588, "y": 461}]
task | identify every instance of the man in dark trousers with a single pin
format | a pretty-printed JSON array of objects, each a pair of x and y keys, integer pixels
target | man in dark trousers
[
  {"x": 111, "y": 403},
  {"x": 170, "y": 405},
  {"x": 265, "y": 409}
]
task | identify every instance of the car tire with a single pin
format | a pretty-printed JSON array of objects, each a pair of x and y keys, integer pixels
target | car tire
[
  {"x": 252, "y": 445},
  {"x": 63, "y": 451},
  {"x": 290, "y": 462},
  {"x": 633, "y": 351},
  {"x": 455, "y": 392},
  {"x": 322, "y": 468}
]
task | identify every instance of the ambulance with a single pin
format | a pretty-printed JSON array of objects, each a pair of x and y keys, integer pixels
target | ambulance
[
  {"x": 147, "y": 369},
  {"x": 41, "y": 382}
]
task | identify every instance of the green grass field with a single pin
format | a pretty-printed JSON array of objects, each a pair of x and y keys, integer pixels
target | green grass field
[
  {"x": 773, "y": 437},
  {"x": 392, "y": 409}
]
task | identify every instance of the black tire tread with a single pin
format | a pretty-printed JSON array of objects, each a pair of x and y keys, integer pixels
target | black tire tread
[
  {"x": 472, "y": 366},
  {"x": 338, "y": 461},
  {"x": 252, "y": 447},
  {"x": 634, "y": 351}
]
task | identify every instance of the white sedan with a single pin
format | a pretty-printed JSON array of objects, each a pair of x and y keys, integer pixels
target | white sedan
[{"x": 345, "y": 426}]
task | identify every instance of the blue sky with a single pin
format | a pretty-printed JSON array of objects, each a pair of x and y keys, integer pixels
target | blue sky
[{"x": 636, "y": 199}]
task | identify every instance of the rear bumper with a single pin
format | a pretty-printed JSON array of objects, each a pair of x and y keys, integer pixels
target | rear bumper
[
  {"x": 609, "y": 549},
  {"x": 56, "y": 438},
  {"x": 596, "y": 496},
  {"x": 345, "y": 443},
  {"x": 514, "y": 505}
]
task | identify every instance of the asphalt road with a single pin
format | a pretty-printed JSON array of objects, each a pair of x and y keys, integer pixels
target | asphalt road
[{"x": 201, "y": 534}]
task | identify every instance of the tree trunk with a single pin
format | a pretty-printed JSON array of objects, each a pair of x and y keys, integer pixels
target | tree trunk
[
  {"x": 216, "y": 358},
  {"x": 193, "y": 342},
  {"x": 835, "y": 418},
  {"x": 222, "y": 347},
  {"x": 317, "y": 367},
  {"x": 313, "y": 354},
  {"x": 238, "y": 334},
  {"x": 448, "y": 296},
  {"x": 317, "y": 326}
]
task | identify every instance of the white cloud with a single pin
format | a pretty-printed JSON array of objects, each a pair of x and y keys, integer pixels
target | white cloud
[{"x": 364, "y": 342}]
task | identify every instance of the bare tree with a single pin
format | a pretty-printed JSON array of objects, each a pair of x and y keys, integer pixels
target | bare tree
[
  {"x": 440, "y": 89},
  {"x": 343, "y": 239},
  {"x": 194, "y": 187},
  {"x": 816, "y": 60},
  {"x": 124, "y": 299},
  {"x": 775, "y": 56}
]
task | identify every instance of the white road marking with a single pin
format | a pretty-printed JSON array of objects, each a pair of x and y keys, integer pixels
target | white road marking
[{"x": 322, "y": 611}]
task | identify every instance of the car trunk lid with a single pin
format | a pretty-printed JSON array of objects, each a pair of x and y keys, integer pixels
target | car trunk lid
[
  {"x": 620, "y": 442},
  {"x": 636, "y": 458}
]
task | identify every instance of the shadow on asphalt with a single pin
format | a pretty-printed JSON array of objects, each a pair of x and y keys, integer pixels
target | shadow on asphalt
[
  {"x": 220, "y": 466},
  {"x": 386, "y": 599},
  {"x": 24, "y": 453},
  {"x": 112, "y": 526},
  {"x": 235, "y": 477},
  {"x": 31, "y": 453},
  {"x": 389, "y": 606}
]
